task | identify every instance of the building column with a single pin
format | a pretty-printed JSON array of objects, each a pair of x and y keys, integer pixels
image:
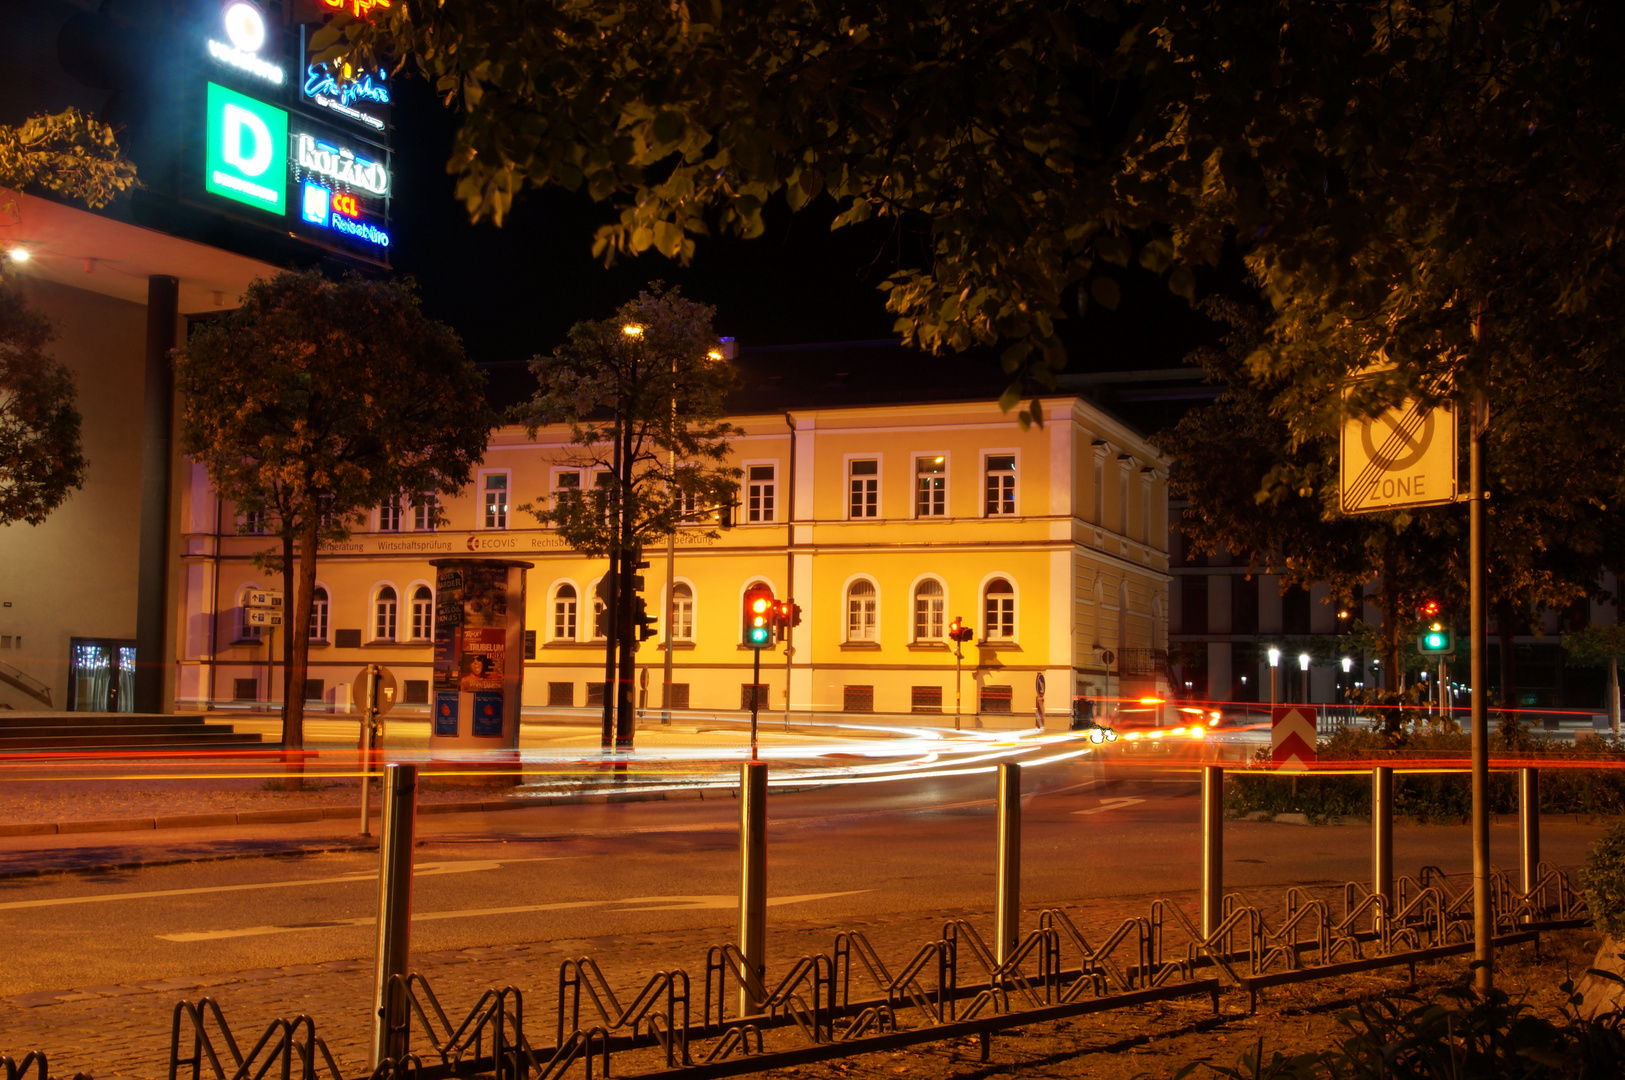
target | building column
[
  {"x": 152, "y": 589},
  {"x": 1219, "y": 670}
]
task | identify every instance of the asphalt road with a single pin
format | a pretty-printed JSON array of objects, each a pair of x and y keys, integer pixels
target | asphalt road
[{"x": 566, "y": 872}]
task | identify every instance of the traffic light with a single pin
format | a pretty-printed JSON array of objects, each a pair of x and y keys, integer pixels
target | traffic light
[
  {"x": 725, "y": 516},
  {"x": 760, "y": 617},
  {"x": 1428, "y": 611},
  {"x": 958, "y": 631},
  {"x": 642, "y": 620},
  {"x": 786, "y": 613},
  {"x": 1436, "y": 639}
]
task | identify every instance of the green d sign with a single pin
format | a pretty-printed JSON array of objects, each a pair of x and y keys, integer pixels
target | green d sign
[{"x": 247, "y": 155}]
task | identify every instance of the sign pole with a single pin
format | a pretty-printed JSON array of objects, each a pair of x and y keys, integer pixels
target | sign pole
[{"x": 1483, "y": 921}]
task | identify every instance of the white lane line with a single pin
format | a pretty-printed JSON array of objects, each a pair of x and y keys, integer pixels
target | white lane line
[
  {"x": 1110, "y": 804},
  {"x": 363, "y": 876},
  {"x": 653, "y": 903}
]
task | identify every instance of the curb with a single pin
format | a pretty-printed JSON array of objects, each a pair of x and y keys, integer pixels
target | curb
[{"x": 328, "y": 813}]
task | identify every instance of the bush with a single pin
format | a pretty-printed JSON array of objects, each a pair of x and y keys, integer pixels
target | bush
[
  {"x": 1603, "y": 879},
  {"x": 1452, "y": 1034},
  {"x": 1431, "y": 796}
]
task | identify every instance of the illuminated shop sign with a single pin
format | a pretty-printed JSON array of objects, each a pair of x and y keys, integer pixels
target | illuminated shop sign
[
  {"x": 244, "y": 27},
  {"x": 352, "y": 97},
  {"x": 320, "y": 205},
  {"x": 359, "y": 8},
  {"x": 246, "y": 150},
  {"x": 340, "y": 164}
]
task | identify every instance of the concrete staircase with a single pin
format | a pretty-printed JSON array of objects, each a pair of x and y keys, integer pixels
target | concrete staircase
[{"x": 31, "y": 732}]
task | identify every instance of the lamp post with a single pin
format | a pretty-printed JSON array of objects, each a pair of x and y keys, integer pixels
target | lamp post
[
  {"x": 1275, "y": 667},
  {"x": 1303, "y": 666}
]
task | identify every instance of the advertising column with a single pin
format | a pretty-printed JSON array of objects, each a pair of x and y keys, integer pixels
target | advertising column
[{"x": 479, "y": 659}]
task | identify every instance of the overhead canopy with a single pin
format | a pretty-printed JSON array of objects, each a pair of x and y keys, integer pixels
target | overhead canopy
[{"x": 83, "y": 250}]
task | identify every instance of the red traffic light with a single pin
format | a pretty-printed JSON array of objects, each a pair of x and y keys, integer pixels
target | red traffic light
[
  {"x": 760, "y": 617},
  {"x": 1429, "y": 609}
]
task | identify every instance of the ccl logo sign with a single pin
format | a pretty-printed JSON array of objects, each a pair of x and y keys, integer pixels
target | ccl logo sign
[{"x": 346, "y": 205}]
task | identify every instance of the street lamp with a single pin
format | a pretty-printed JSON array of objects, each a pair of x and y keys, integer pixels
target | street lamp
[
  {"x": 632, "y": 330},
  {"x": 1303, "y": 666},
  {"x": 1275, "y": 665}
]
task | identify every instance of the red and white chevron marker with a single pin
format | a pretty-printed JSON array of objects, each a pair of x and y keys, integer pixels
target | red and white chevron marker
[{"x": 1292, "y": 738}]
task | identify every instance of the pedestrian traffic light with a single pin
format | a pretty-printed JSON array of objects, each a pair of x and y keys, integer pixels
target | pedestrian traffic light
[
  {"x": 760, "y": 617},
  {"x": 1436, "y": 639}
]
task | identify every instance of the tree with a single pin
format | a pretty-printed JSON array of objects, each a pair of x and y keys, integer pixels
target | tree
[
  {"x": 66, "y": 152},
  {"x": 40, "y": 456},
  {"x": 40, "y": 459},
  {"x": 1600, "y": 644},
  {"x": 318, "y": 400},
  {"x": 643, "y": 393}
]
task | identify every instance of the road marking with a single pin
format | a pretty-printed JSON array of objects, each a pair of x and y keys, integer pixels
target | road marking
[
  {"x": 718, "y": 901},
  {"x": 421, "y": 870},
  {"x": 1110, "y": 804}
]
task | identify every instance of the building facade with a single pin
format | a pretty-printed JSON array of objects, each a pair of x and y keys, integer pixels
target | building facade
[{"x": 883, "y": 522}]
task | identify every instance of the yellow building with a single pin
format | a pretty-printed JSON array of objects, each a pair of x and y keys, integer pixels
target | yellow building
[{"x": 883, "y": 521}]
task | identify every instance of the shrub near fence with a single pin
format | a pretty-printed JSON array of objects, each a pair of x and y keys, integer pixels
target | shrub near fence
[{"x": 1431, "y": 797}]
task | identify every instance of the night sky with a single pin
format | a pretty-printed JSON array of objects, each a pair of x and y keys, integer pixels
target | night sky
[{"x": 514, "y": 291}]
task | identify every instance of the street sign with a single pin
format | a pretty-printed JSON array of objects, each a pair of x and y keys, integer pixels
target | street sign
[
  {"x": 264, "y": 598},
  {"x": 1404, "y": 457},
  {"x": 386, "y": 690},
  {"x": 1292, "y": 738},
  {"x": 262, "y": 617}
]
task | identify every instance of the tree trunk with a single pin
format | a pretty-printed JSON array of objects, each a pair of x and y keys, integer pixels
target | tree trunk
[
  {"x": 1613, "y": 695},
  {"x": 1505, "y": 630},
  {"x": 287, "y": 611},
  {"x": 1390, "y": 618},
  {"x": 298, "y": 649}
]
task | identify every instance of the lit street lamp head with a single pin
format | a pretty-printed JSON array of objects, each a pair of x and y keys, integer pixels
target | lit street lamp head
[
  {"x": 1303, "y": 661},
  {"x": 632, "y": 330},
  {"x": 1275, "y": 656}
]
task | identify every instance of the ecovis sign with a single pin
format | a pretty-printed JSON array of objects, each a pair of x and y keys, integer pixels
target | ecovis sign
[{"x": 246, "y": 156}]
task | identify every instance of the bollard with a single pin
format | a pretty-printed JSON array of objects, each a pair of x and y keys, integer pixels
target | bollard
[
  {"x": 1529, "y": 825},
  {"x": 1007, "y": 909},
  {"x": 369, "y": 716},
  {"x": 394, "y": 913},
  {"x": 752, "y": 879},
  {"x": 1212, "y": 849},
  {"x": 1382, "y": 837}
]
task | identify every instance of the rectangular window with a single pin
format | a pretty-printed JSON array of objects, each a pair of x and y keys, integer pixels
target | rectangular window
[
  {"x": 858, "y": 699},
  {"x": 565, "y": 486},
  {"x": 753, "y": 692},
  {"x": 595, "y": 694},
  {"x": 677, "y": 695},
  {"x": 1001, "y": 484},
  {"x": 423, "y": 514},
  {"x": 245, "y": 690},
  {"x": 1100, "y": 491},
  {"x": 562, "y": 695},
  {"x": 1192, "y": 604},
  {"x": 925, "y": 698},
  {"x": 416, "y": 692},
  {"x": 1122, "y": 501},
  {"x": 995, "y": 700},
  {"x": 1243, "y": 607},
  {"x": 389, "y": 515},
  {"x": 759, "y": 493},
  {"x": 603, "y": 485},
  {"x": 865, "y": 489},
  {"x": 931, "y": 486},
  {"x": 496, "y": 500},
  {"x": 254, "y": 523}
]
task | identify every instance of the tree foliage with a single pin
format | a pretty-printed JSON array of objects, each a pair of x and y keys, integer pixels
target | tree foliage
[
  {"x": 1433, "y": 182},
  {"x": 66, "y": 152},
  {"x": 664, "y": 389},
  {"x": 40, "y": 458},
  {"x": 318, "y": 400}
]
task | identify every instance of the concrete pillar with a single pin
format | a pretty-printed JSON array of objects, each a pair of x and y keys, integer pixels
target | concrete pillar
[{"x": 152, "y": 581}]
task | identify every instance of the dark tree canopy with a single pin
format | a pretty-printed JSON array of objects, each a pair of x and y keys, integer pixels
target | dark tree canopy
[{"x": 40, "y": 459}]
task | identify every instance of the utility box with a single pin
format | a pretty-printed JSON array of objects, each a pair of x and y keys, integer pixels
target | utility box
[{"x": 479, "y": 661}]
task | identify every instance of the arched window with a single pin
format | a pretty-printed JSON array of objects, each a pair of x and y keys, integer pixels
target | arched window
[
  {"x": 422, "y": 613},
  {"x": 318, "y": 614},
  {"x": 999, "y": 611},
  {"x": 564, "y": 613},
  {"x": 682, "y": 612},
  {"x": 383, "y": 614},
  {"x": 928, "y": 606},
  {"x": 860, "y": 611}
]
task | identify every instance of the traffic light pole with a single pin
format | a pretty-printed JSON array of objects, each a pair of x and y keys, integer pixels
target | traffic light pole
[
  {"x": 1483, "y": 922},
  {"x": 755, "y": 696}
]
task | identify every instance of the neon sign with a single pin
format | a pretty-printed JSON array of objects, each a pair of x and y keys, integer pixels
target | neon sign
[
  {"x": 244, "y": 26},
  {"x": 360, "y": 8},
  {"x": 335, "y": 210},
  {"x": 340, "y": 164},
  {"x": 246, "y": 150},
  {"x": 341, "y": 97}
]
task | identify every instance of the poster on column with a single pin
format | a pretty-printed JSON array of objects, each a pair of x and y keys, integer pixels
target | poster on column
[
  {"x": 445, "y": 714},
  {"x": 483, "y": 661},
  {"x": 488, "y": 713},
  {"x": 485, "y": 597}
]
